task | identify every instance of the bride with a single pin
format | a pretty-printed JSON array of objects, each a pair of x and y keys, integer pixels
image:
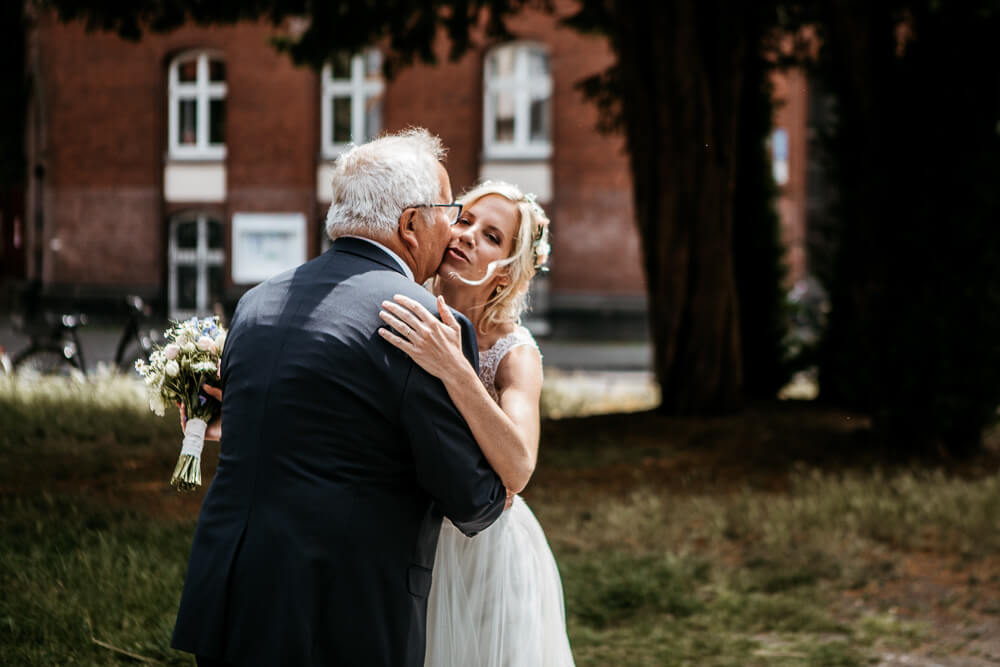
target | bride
[{"x": 496, "y": 600}]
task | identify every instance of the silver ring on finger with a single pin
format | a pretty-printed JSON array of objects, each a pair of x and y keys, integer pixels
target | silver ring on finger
[{"x": 405, "y": 330}]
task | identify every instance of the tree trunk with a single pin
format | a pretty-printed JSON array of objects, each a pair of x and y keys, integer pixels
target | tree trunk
[{"x": 681, "y": 65}]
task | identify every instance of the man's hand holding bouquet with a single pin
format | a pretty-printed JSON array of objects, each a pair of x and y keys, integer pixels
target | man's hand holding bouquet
[{"x": 176, "y": 373}]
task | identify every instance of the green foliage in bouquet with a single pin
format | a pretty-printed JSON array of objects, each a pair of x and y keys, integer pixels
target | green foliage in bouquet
[{"x": 175, "y": 373}]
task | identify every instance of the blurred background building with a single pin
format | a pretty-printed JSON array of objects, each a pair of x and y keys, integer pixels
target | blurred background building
[{"x": 187, "y": 167}]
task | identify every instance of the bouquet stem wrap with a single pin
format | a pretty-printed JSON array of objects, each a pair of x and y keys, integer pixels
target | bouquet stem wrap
[{"x": 187, "y": 472}]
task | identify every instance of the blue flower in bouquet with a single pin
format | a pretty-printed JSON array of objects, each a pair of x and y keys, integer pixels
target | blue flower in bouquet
[{"x": 209, "y": 327}]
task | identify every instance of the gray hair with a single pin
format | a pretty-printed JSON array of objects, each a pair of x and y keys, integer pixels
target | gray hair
[{"x": 374, "y": 182}]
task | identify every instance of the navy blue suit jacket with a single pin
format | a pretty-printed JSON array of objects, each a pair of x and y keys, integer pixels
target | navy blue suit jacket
[{"x": 339, "y": 456}]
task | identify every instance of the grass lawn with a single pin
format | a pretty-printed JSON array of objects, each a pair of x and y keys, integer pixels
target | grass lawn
[{"x": 774, "y": 537}]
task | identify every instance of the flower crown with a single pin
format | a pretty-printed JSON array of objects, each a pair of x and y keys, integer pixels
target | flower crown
[{"x": 540, "y": 247}]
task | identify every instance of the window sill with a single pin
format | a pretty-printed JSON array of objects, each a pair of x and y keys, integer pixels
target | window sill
[
  {"x": 214, "y": 156},
  {"x": 188, "y": 180},
  {"x": 531, "y": 175},
  {"x": 517, "y": 154}
]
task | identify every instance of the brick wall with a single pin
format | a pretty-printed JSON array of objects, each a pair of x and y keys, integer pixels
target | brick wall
[
  {"x": 106, "y": 109},
  {"x": 791, "y": 96}
]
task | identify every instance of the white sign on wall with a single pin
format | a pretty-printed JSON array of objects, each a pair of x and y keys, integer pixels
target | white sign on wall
[{"x": 265, "y": 244}]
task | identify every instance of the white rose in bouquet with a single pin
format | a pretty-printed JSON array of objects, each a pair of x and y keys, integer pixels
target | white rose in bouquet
[
  {"x": 157, "y": 405},
  {"x": 220, "y": 342},
  {"x": 206, "y": 344}
]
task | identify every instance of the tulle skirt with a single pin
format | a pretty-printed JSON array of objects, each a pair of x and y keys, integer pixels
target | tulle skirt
[{"x": 496, "y": 599}]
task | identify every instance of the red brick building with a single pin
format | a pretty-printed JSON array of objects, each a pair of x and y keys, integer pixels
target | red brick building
[{"x": 188, "y": 166}]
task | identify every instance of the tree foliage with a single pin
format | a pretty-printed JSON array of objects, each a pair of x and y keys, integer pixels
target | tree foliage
[
  {"x": 409, "y": 28},
  {"x": 915, "y": 156},
  {"x": 13, "y": 86}
]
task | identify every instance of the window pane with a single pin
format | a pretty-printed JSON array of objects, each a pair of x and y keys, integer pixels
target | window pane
[
  {"x": 217, "y": 71},
  {"x": 187, "y": 71},
  {"x": 373, "y": 64},
  {"x": 187, "y": 122},
  {"x": 215, "y": 236},
  {"x": 538, "y": 64},
  {"x": 187, "y": 287},
  {"x": 341, "y": 119},
  {"x": 341, "y": 66},
  {"x": 503, "y": 132},
  {"x": 215, "y": 285},
  {"x": 540, "y": 129},
  {"x": 502, "y": 66},
  {"x": 217, "y": 121},
  {"x": 373, "y": 116},
  {"x": 187, "y": 234}
]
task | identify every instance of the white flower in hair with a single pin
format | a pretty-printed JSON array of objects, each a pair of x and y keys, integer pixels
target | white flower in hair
[
  {"x": 532, "y": 199},
  {"x": 542, "y": 250}
]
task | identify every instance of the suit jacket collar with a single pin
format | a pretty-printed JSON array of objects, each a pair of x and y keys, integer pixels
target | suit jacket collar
[{"x": 367, "y": 250}]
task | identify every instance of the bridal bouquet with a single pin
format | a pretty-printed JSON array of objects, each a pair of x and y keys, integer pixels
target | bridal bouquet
[{"x": 175, "y": 373}]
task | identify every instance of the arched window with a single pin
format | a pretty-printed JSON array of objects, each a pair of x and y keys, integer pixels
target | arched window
[
  {"x": 197, "y": 116},
  {"x": 352, "y": 101},
  {"x": 196, "y": 258},
  {"x": 517, "y": 110}
]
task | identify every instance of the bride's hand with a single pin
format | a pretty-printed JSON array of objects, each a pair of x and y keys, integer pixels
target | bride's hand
[
  {"x": 214, "y": 430},
  {"x": 436, "y": 345}
]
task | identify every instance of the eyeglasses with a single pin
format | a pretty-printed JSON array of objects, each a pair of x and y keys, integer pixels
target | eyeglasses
[{"x": 453, "y": 212}]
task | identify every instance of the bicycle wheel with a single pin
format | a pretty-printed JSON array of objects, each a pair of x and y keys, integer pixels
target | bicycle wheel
[{"x": 44, "y": 360}]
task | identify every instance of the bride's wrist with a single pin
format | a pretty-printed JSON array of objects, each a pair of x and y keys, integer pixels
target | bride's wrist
[{"x": 462, "y": 377}]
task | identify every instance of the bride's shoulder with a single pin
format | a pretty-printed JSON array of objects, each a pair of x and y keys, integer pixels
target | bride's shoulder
[
  {"x": 518, "y": 349},
  {"x": 524, "y": 334}
]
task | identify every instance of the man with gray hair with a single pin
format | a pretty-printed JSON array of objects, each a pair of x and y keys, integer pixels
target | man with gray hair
[{"x": 339, "y": 455}]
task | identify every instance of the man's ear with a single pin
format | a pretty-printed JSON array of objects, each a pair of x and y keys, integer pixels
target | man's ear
[{"x": 407, "y": 228}]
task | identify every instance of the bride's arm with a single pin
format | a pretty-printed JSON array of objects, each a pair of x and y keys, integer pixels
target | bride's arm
[{"x": 507, "y": 433}]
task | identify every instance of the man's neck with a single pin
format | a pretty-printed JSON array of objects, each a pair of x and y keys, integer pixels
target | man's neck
[{"x": 397, "y": 252}]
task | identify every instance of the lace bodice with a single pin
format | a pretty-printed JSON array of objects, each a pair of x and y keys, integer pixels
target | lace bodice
[{"x": 489, "y": 361}]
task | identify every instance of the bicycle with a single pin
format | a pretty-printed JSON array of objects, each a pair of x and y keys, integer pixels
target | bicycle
[
  {"x": 135, "y": 342},
  {"x": 55, "y": 347}
]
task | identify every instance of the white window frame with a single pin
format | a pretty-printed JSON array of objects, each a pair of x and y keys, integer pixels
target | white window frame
[
  {"x": 359, "y": 89},
  {"x": 525, "y": 88},
  {"x": 202, "y": 91},
  {"x": 201, "y": 257}
]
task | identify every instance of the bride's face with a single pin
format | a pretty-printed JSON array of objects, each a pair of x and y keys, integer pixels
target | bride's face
[{"x": 484, "y": 233}]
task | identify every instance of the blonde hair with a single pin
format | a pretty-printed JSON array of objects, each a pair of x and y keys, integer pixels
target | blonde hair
[{"x": 527, "y": 257}]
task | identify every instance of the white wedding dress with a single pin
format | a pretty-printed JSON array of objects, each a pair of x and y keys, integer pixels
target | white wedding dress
[{"x": 496, "y": 599}]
